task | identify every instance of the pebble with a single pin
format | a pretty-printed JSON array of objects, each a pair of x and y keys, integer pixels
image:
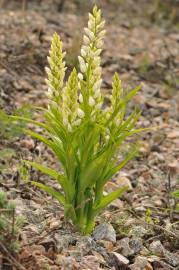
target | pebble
[
  {"x": 141, "y": 263},
  {"x": 124, "y": 248},
  {"x": 138, "y": 231},
  {"x": 105, "y": 231},
  {"x": 157, "y": 248},
  {"x": 123, "y": 181},
  {"x": 172, "y": 259},
  {"x": 136, "y": 244},
  {"x": 119, "y": 260}
]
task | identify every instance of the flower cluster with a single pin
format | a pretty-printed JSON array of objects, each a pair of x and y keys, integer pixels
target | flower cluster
[
  {"x": 90, "y": 75},
  {"x": 70, "y": 102},
  {"x": 115, "y": 97},
  {"x": 56, "y": 72}
]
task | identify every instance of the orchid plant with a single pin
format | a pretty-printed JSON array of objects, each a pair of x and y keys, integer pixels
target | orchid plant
[{"x": 84, "y": 136}]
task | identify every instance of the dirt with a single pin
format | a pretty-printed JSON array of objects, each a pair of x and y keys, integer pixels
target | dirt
[{"x": 142, "y": 45}]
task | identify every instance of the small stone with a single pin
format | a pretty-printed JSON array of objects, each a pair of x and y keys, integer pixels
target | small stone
[
  {"x": 124, "y": 248},
  {"x": 136, "y": 245},
  {"x": 105, "y": 231},
  {"x": 118, "y": 259},
  {"x": 85, "y": 245},
  {"x": 141, "y": 263},
  {"x": 123, "y": 181},
  {"x": 28, "y": 144},
  {"x": 138, "y": 231},
  {"x": 108, "y": 245},
  {"x": 157, "y": 248},
  {"x": 158, "y": 203},
  {"x": 173, "y": 134},
  {"x": 117, "y": 204},
  {"x": 62, "y": 241},
  {"x": 171, "y": 258}
]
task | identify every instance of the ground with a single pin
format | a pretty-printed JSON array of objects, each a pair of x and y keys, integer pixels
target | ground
[{"x": 142, "y": 45}]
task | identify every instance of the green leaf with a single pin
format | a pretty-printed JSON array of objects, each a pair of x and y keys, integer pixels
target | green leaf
[
  {"x": 51, "y": 191},
  {"x": 109, "y": 198},
  {"x": 43, "y": 169},
  {"x": 14, "y": 117},
  {"x": 39, "y": 137},
  {"x": 118, "y": 167}
]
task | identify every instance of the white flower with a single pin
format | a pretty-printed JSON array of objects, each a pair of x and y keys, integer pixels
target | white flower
[
  {"x": 80, "y": 113},
  {"x": 80, "y": 98},
  {"x": 65, "y": 121},
  {"x": 69, "y": 128},
  {"x": 81, "y": 60},
  {"x": 101, "y": 25},
  {"x": 86, "y": 40},
  {"x": 83, "y": 67},
  {"x": 49, "y": 59},
  {"x": 91, "y": 101},
  {"x": 97, "y": 52},
  {"x": 83, "y": 52},
  {"x": 102, "y": 34},
  {"x": 79, "y": 85},
  {"x": 97, "y": 85},
  {"x": 97, "y": 93},
  {"x": 98, "y": 106},
  {"x": 97, "y": 71},
  {"x": 80, "y": 76},
  {"x": 97, "y": 61},
  {"x": 77, "y": 122},
  {"x": 48, "y": 71},
  {"x": 91, "y": 23},
  {"x": 89, "y": 33},
  {"x": 99, "y": 44},
  {"x": 117, "y": 122},
  {"x": 107, "y": 137}
]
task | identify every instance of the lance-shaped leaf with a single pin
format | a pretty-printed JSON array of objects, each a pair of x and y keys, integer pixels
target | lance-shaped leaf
[
  {"x": 51, "y": 191},
  {"x": 109, "y": 198}
]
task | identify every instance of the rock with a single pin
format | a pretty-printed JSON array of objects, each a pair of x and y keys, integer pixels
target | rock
[
  {"x": 108, "y": 245},
  {"x": 117, "y": 204},
  {"x": 123, "y": 181},
  {"x": 136, "y": 244},
  {"x": 138, "y": 231},
  {"x": 90, "y": 262},
  {"x": 28, "y": 143},
  {"x": 157, "y": 248},
  {"x": 141, "y": 263},
  {"x": 124, "y": 248},
  {"x": 105, "y": 231},
  {"x": 119, "y": 260},
  {"x": 171, "y": 258},
  {"x": 62, "y": 241},
  {"x": 160, "y": 265},
  {"x": 173, "y": 134},
  {"x": 85, "y": 245},
  {"x": 66, "y": 262}
]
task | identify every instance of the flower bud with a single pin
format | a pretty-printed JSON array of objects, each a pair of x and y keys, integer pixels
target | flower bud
[
  {"x": 77, "y": 122},
  {"x": 80, "y": 113},
  {"x": 83, "y": 52},
  {"x": 102, "y": 34},
  {"x": 80, "y": 76},
  {"x": 91, "y": 101},
  {"x": 86, "y": 40},
  {"x": 80, "y": 98}
]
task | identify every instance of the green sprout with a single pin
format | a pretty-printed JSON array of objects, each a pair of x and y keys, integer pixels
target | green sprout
[{"x": 84, "y": 136}]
